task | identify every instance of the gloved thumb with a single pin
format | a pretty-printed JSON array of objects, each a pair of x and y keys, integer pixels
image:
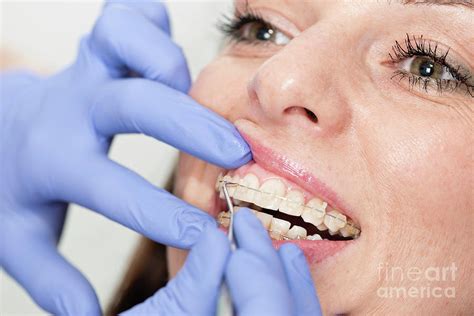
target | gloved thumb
[
  {"x": 299, "y": 279},
  {"x": 194, "y": 290}
]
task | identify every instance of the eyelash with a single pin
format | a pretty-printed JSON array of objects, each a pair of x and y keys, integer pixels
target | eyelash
[
  {"x": 231, "y": 26},
  {"x": 411, "y": 47},
  {"x": 419, "y": 46}
]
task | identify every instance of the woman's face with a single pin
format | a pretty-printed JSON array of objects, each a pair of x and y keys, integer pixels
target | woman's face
[{"x": 367, "y": 106}]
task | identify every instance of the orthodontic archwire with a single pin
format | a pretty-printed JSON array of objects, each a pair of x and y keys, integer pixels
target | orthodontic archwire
[{"x": 348, "y": 223}]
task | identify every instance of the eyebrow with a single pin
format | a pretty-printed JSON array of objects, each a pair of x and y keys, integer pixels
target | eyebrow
[{"x": 457, "y": 3}]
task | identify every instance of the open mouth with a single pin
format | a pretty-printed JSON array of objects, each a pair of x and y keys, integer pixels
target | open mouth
[{"x": 286, "y": 211}]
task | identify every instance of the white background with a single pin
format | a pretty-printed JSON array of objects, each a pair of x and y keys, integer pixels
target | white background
[{"x": 43, "y": 36}]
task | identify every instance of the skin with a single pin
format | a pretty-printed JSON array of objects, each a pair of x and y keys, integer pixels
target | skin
[{"x": 401, "y": 158}]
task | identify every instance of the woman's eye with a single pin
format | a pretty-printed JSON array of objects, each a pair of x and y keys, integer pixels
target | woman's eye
[
  {"x": 261, "y": 32},
  {"x": 426, "y": 67}
]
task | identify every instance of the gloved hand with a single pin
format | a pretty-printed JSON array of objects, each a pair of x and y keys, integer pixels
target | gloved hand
[
  {"x": 55, "y": 133},
  {"x": 194, "y": 290},
  {"x": 263, "y": 281}
]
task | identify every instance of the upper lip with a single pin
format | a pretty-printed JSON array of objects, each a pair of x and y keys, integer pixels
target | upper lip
[{"x": 293, "y": 171}]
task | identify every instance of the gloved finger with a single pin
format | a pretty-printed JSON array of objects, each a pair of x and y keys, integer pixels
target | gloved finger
[
  {"x": 195, "y": 288},
  {"x": 125, "y": 197},
  {"x": 255, "y": 274},
  {"x": 125, "y": 40},
  {"x": 16, "y": 79},
  {"x": 54, "y": 284},
  {"x": 142, "y": 106},
  {"x": 251, "y": 236},
  {"x": 153, "y": 10},
  {"x": 300, "y": 280}
]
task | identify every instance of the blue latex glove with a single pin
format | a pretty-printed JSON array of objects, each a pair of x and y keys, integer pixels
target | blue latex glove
[
  {"x": 263, "y": 281},
  {"x": 55, "y": 134},
  {"x": 194, "y": 289}
]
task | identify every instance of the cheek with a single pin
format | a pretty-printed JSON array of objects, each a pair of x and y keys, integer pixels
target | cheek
[
  {"x": 423, "y": 161},
  {"x": 222, "y": 86},
  {"x": 175, "y": 259}
]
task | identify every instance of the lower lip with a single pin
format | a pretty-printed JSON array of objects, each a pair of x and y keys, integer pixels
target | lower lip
[{"x": 314, "y": 250}]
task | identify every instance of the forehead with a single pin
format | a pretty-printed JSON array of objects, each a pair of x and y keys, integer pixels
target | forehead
[{"x": 308, "y": 4}]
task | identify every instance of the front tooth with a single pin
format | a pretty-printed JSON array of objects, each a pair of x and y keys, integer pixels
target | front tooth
[
  {"x": 296, "y": 232},
  {"x": 246, "y": 189},
  {"x": 270, "y": 190},
  {"x": 231, "y": 188},
  {"x": 266, "y": 219},
  {"x": 280, "y": 226},
  {"x": 334, "y": 221},
  {"x": 294, "y": 203},
  {"x": 314, "y": 237},
  {"x": 313, "y": 212}
]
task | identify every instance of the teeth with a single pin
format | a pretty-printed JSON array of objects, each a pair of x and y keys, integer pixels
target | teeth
[
  {"x": 349, "y": 230},
  {"x": 321, "y": 227},
  {"x": 223, "y": 218},
  {"x": 268, "y": 191},
  {"x": 242, "y": 203},
  {"x": 279, "y": 228},
  {"x": 230, "y": 188},
  {"x": 318, "y": 205},
  {"x": 314, "y": 237},
  {"x": 246, "y": 190},
  {"x": 296, "y": 232},
  {"x": 293, "y": 204},
  {"x": 273, "y": 195},
  {"x": 314, "y": 212},
  {"x": 334, "y": 221},
  {"x": 344, "y": 232},
  {"x": 266, "y": 219}
]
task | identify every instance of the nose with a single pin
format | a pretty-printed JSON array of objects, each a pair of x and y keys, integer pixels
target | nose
[{"x": 299, "y": 88}]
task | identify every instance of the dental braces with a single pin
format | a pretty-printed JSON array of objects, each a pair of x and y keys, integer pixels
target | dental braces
[
  {"x": 355, "y": 231},
  {"x": 226, "y": 216},
  {"x": 274, "y": 234}
]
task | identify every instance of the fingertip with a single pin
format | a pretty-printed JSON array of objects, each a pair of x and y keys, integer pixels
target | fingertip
[
  {"x": 240, "y": 153},
  {"x": 237, "y": 151},
  {"x": 251, "y": 235},
  {"x": 292, "y": 256},
  {"x": 291, "y": 251},
  {"x": 245, "y": 217},
  {"x": 244, "y": 214},
  {"x": 295, "y": 263}
]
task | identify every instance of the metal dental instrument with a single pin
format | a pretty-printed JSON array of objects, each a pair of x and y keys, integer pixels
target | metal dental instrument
[
  {"x": 230, "y": 206},
  {"x": 224, "y": 305}
]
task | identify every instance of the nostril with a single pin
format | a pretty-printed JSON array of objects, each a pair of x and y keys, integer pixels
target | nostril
[
  {"x": 301, "y": 111},
  {"x": 310, "y": 114}
]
